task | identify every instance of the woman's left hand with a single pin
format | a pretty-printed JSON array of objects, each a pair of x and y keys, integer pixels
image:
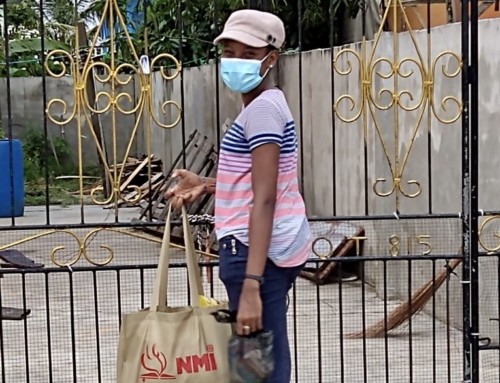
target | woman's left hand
[{"x": 249, "y": 318}]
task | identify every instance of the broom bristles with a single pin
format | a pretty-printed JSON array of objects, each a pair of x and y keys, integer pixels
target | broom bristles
[{"x": 408, "y": 308}]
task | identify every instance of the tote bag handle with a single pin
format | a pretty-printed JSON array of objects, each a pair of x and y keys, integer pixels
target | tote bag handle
[{"x": 159, "y": 298}]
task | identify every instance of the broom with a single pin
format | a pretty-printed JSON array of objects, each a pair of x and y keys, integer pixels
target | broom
[{"x": 403, "y": 312}]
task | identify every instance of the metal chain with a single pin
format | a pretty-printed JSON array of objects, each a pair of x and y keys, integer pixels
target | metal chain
[{"x": 201, "y": 219}]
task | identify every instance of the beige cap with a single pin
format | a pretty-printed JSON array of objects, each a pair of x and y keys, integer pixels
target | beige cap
[{"x": 253, "y": 28}]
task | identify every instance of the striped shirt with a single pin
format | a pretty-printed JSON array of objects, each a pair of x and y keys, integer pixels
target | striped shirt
[{"x": 267, "y": 119}]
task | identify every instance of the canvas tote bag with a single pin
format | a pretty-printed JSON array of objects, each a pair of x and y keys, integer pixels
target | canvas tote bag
[{"x": 181, "y": 344}]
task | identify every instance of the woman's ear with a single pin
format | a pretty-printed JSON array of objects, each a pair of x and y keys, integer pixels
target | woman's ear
[
  {"x": 269, "y": 63},
  {"x": 273, "y": 58}
]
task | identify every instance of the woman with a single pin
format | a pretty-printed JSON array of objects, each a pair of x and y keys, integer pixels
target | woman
[{"x": 260, "y": 218}]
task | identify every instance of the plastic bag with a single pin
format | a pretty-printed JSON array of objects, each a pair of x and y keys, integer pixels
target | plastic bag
[{"x": 251, "y": 357}]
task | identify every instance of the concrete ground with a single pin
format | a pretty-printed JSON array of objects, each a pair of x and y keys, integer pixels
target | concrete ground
[{"x": 72, "y": 332}]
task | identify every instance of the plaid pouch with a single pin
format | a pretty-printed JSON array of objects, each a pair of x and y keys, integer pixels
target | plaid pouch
[{"x": 251, "y": 357}]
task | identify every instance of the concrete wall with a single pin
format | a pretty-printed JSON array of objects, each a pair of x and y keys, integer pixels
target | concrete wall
[{"x": 339, "y": 170}]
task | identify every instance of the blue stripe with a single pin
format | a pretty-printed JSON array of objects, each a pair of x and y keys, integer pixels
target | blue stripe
[
  {"x": 232, "y": 141},
  {"x": 266, "y": 139},
  {"x": 237, "y": 130},
  {"x": 266, "y": 135},
  {"x": 290, "y": 142},
  {"x": 236, "y": 146},
  {"x": 235, "y": 150},
  {"x": 236, "y": 135},
  {"x": 238, "y": 126},
  {"x": 262, "y": 142}
]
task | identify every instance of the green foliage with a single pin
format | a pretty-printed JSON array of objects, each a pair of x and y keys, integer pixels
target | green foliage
[
  {"x": 25, "y": 57},
  {"x": 22, "y": 18},
  {"x": 200, "y": 22},
  {"x": 57, "y": 158},
  {"x": 25, "y": 43},
  {"x": 60, "y": 194}
]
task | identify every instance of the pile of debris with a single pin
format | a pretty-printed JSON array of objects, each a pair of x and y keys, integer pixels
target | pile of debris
[
  {"x": 140, "y": 177},
  {"x": 200, "y": 157},
  {"x": 144, "y": 182}
]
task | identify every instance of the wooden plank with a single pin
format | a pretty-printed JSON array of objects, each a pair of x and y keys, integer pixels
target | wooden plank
[
  {"x": 195, "y": 165},
  {"x": 154, "y": 204},
  {"x": 137, "y": 170},
  {"x": 200, "y": 158},
  {"x": 144, "y": 194},
  {"x": 145, "y": 186}
]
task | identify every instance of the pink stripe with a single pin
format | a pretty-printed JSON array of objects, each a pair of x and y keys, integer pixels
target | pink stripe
[
  {"x": 230, "y": 223},
  {"x": 225, "y": 213},
  {"x": 287, "y": 177},
  {"x": 229, "y": 156},
  {"x": 286, "y": 212},
  {"x": 232, "y": 178},
  {"x": 242, "y": 157},
  {"x": 235, "y": 160},
  {"x": 286, "y": 202},
  {"x": 298, "y": 258},
  {"x": 230, "y": 161},
  {"x": 282, "y": 198},
  {"x": 241, "y": 162},
  {"x": 224, "y": 195}
]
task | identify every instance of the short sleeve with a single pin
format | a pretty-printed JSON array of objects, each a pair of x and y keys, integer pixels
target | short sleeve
[{"x": 264, "y": 124}]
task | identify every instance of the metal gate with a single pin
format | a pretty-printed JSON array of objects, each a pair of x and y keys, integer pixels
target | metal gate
[{"x": 403, "y": 282}]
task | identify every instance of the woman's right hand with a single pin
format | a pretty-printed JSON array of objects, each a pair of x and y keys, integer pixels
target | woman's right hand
[{"x": 189, "y": 188}]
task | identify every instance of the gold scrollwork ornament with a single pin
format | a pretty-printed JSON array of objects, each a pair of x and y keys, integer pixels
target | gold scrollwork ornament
[
  {"x": 483, "y": 229},
  {"x": 322, "y": 255},
  {"x": 396, "y": 187},
  {"x": 169, "y": 103}
]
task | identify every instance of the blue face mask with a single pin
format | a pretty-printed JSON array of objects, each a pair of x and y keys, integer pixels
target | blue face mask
[{"x": 240, "y": 75}]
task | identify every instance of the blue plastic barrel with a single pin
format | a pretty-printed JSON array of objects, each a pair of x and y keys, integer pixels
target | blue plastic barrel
[{"x": 11, "y": 189}]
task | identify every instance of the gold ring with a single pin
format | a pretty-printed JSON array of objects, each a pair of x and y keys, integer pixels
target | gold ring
[{"x": 246, "y": 328}]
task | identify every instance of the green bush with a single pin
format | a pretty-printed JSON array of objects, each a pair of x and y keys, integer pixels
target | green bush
[{"x": 56, "y": 157}]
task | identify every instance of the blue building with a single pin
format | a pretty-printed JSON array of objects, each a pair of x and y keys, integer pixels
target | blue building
[{"x": 134, "y": 19}]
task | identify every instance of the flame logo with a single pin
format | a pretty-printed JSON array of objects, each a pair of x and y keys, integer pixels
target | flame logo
[{"x": 154, "y": 365}]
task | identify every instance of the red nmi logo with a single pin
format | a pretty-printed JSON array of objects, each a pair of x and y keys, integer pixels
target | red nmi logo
[{"x": 195, "y": 363}]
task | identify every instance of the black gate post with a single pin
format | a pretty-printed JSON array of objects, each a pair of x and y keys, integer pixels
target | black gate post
[
  {"x": 470, "y": 190},
  {"x": 474, "y": 187},
  {"x": 465, "y": 194}
]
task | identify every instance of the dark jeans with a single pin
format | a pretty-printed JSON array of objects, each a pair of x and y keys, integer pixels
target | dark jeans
[{"x": 278, "y": 281}]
